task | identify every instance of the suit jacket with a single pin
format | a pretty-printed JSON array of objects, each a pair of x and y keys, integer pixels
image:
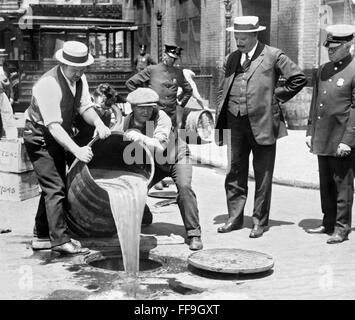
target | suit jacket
[
  {"x": 263, "y": 97},
  {"x": 332, "y": 114}
]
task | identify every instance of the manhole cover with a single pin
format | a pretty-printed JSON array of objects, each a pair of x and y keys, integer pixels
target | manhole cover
[
  {"x": 231, "y": 260},
  {"x": 163, "y": 194}
]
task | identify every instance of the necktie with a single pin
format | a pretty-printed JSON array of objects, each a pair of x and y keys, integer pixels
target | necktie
[{"x": 246, "y": 63}]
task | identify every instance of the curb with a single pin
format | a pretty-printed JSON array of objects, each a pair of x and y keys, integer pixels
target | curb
[{"x": 276, "y": 180}]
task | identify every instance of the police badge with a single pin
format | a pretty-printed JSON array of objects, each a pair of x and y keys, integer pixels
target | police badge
[{"x": 340, "y": 82}]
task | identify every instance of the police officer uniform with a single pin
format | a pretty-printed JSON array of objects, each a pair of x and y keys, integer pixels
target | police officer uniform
[
  {"x": 143, "y": 59},
  {"x": 332, "y": 122},
  {"x": 164, "y": 80}
]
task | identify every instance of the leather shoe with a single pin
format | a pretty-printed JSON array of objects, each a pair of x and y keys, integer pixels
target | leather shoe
[
  {"x": 338, "y": 237},
  {"x": 256, "y": 232},
  {"x": 318, "y": 230},
  {"x": 228, "y": 227},
  {"x": 195, "y": 243},
  {"x": 70, "y": 248}
]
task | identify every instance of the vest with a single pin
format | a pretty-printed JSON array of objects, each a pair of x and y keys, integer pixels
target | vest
[
  {"x": 69, "y": 104},
  {"x": 237, "y": 102}
]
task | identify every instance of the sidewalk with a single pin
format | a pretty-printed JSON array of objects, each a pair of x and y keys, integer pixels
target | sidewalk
[{"x": 294, "y": 166}]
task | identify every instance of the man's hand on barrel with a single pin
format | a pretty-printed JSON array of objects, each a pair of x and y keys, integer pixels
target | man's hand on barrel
[
  {"x": 84, "y": 154},
  {"x": 134, "y": 135},
  {"x": 102, "y": 131}
]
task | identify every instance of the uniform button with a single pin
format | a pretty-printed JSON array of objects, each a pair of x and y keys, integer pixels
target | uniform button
[
  {"x": 321, "y": 105},
  {"x": 330, "y": 80},
  {"x": 335, "y": 68},
  {"x": 340, "y": 62},
  {"x": 325, "y": 91},
  {"x": 318, "y": 117}
]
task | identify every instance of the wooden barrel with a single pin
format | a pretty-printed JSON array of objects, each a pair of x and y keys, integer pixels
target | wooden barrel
[
  {"x": 198, "y": 124},
  {"x": 89, "y": 212},
  {"x": 297, "y": 109}
]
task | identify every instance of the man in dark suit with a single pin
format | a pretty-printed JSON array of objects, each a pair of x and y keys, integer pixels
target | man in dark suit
[
  {"x": 331, "y": 133},
  {"x": 248, "y": 104}
]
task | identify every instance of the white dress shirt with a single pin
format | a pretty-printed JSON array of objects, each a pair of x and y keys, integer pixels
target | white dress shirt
[{"x": 250, "y": 54}]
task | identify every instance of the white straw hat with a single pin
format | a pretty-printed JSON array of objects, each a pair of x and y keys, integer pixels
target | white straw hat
[
  {"x": 246, "y": 24},
  {"x": 75, "y": 54}
]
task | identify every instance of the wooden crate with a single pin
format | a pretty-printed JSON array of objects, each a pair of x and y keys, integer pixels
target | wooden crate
[
  {"x": 13, "y": 156},
  {"x": 18, "y": 186}
]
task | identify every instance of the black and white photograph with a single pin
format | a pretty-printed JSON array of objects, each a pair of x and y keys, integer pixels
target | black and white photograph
[{"x": 177, "y": 155}]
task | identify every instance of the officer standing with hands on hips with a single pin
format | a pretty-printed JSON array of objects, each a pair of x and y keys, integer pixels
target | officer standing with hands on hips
[
  {"x": 331, "y": 132},
  {"x": 57, "y": 97}
]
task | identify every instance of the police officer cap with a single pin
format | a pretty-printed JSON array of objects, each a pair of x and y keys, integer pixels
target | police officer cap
[
  {"x": 173, "y": 50},
  {"x": 143, "y": 97},
  {"x": 338, "y": 34}
]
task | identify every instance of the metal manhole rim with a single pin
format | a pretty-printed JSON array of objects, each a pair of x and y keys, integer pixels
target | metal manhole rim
[{"x": 210, "y": 267}]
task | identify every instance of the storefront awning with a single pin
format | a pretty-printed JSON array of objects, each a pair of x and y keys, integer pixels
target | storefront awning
[
  {"x": 86, "y": 28},
  {"x": 77, "y": 22}
]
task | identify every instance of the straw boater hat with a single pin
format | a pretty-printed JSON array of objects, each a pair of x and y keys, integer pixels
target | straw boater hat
[
  {"x": 246, "y": 24},
  {"x": 74, "y": 54},
  {"x": 338, "y": 34}
]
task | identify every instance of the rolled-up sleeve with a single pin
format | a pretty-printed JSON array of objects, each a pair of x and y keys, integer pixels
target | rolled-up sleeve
[
  {"x": 48, "y": 96},
  {"x": 163, "y": 127}
]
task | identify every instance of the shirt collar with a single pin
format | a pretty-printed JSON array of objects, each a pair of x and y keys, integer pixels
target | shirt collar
[
  {"x": 252, "y": 51},
  {"x": 66, "y": 79}
]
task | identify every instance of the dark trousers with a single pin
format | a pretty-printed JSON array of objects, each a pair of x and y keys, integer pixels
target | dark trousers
[
  {"x": 48, "y": 159},
  {"x": 336, "y": 178},
  {"x": 181, "y": 173},
  {"x": 236, "y": 183}
]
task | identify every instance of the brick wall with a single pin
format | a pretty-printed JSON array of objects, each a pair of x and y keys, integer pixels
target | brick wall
[
  {"x": 212, "y": 45},
  {"x": 295, "y": 29}
]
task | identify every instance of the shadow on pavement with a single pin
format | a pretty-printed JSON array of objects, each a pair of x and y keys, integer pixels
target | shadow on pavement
[
  {"x": 309, "y": 223},
  {"x": 229, "y": 276},
  {"x": 163, "y": 228},
  {"x": 248, "y": 221},
  {"x": 312, "y": 223}
]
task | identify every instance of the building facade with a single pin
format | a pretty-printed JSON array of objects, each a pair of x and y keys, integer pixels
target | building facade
[
  {"x": 295, "y": 26},
  {"x": 31, "y": 31},
  {"x": 199, "y": 26}
]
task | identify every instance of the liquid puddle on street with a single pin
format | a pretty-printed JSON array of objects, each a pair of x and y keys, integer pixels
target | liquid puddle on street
[{"x": 104, "y": 276}]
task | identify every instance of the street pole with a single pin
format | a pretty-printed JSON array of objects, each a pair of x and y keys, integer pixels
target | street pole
[
  {"x": 159, "y": 18},
  {"x": 228, "y": 17}
]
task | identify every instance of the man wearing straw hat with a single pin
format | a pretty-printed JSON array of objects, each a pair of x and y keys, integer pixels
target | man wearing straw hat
[
  {"x": 248, "y": 105},
  {"x": 58, "y": 96},
  {"x": 331, "y": 133}
]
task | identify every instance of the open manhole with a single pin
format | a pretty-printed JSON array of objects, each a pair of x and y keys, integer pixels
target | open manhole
[
  {"x": 233, "y": 261},
  {"x": 116, "y": 264}
]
